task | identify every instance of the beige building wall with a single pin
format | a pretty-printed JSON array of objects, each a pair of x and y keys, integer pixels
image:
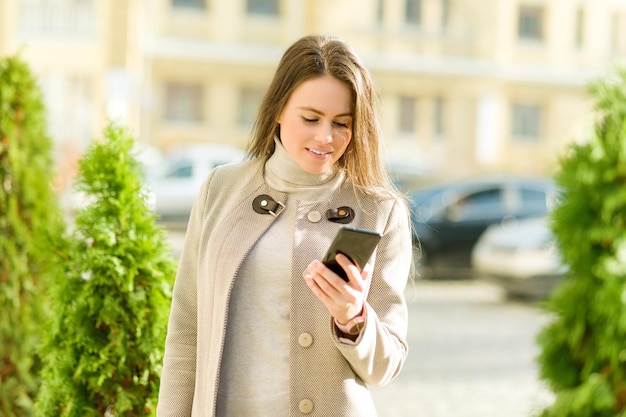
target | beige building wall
[
  {"x": 86, "y": 57},
  {"x": 453, "y": 84}
]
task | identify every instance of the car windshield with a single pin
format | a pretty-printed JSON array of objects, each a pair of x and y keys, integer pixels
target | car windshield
[
  {"x": 180, "y": 169},
  {"x": 422, "y": 202},
  {"x": 426, "y": 195}
]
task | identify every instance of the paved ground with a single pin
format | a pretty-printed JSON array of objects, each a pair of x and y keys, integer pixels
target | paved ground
[{"x": 472, "y": 354}]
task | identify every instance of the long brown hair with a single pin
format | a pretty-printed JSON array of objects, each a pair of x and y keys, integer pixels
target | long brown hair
[{"x": 311, "y": 57}]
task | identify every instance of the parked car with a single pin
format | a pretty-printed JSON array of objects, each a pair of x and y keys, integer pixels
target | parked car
[
  {"x": 520, "y": 256},
  {"x": 448, "y": 218},
  {"x": 175, "y": 189}
]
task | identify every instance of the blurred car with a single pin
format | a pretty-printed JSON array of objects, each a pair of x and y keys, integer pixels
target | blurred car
[
  {"x": 449, "y": 217},
  {"x": 521, "y": 257},
  {"x": 175, "y": 189}
]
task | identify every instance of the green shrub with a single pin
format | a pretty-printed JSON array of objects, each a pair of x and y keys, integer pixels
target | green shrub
[
  {"x": 583, "y": 357},
  {"x": 30, "y": 222},
  {"x": 104, "y": 348}
]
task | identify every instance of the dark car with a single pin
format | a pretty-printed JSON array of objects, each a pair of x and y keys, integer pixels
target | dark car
[{"x": 448, "y": 218}]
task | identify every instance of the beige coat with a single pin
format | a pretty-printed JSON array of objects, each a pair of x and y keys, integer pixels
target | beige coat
[{"x": 327, "y": 377}]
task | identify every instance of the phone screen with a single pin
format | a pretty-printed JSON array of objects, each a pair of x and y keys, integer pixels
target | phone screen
[{"x": 356, "y": 244}]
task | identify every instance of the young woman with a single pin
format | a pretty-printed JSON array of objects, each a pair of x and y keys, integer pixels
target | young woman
[{"x": 258, "y": 325}]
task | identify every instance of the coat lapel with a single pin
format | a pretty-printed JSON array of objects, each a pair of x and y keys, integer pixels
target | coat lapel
[{"x": 244, "y": 230}]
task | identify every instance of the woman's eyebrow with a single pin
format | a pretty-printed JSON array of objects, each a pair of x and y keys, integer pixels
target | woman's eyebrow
[{"x": 311, "y": 109}]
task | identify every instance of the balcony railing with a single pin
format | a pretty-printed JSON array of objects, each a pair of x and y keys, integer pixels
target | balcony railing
[{"x": 56, "y": 18}]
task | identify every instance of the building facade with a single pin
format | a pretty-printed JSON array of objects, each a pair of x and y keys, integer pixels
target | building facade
[{"x": 464, "y": 86}]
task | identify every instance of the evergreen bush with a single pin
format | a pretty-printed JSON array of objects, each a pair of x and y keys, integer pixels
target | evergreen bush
[
  {"x": 583, "y": 350},
  {"x": 103, "y": 352},
  {"x": 30, "y": 222}
]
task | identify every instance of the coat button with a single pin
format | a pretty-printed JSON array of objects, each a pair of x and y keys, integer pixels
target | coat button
[
  {"x": 314, "y": 216},
  {"x": 305, "y": 406},
  {"x": 305, "y": 340}
]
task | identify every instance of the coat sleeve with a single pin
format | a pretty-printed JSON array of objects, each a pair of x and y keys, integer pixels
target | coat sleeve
[
  {"x": 378, "y": 354},
  {"x": 178, "y": 376}
]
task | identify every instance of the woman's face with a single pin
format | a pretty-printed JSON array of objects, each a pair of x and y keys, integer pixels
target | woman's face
[{"x": 316, "y": 123}]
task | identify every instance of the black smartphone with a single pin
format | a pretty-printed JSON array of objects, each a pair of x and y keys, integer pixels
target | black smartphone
[{"x": 356, "y": 244}]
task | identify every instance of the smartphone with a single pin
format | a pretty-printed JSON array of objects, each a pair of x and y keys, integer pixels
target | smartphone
[{"x": 356, "y": 244}]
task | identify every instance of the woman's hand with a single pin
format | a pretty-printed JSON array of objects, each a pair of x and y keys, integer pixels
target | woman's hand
[{"x": 344, "y": 300}]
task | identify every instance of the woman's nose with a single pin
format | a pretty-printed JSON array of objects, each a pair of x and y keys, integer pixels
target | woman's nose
[{"x": 325, "y": 133}]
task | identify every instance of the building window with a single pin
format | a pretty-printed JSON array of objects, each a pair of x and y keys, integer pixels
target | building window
[
  {"x": 530, "y": 23},
  {"x": 250, "y": 100},
  {"x": 618, "y": 35},
  {"x": 406, "y": 114},
  {"x": 70, "y": 105},
  {"x": 189, "y": 4},
  {"x": 413, "y": 11},
  {"x": 183, "y": 102},
  {"x": 526, "y": 123},
  {"x": 445, "y": 13},
  {"x": 438, "y": 117},
  {"x": 262, "y": 7},
  {"x": 56, "y": 17},
  {"x": 580, "y": 27}
]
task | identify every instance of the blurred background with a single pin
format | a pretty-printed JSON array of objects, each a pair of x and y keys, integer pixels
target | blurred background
[
  {"x": 465, "y": 86},
  {"x": 490, "y": 92},
  {"x": 488, "y": 89}
]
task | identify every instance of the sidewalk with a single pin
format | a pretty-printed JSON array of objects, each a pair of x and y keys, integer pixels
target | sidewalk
[{"x": 471, "y": 354}]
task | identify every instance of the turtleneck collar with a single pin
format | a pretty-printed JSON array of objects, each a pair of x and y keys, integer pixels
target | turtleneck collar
[{"x": 283, "y": 173}]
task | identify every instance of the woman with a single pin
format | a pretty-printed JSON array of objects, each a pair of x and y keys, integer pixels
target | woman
[{"x": 258, "y": 325}]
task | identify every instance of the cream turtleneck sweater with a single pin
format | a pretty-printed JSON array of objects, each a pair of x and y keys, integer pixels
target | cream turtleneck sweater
[{"x": 254, "y": 374}]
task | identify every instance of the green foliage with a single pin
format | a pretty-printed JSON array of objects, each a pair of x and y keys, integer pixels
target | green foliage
[
  {"x": 30, "y": 227},
  {"x": 583, "y": 356},
  {"x": 105, "y": 345}
]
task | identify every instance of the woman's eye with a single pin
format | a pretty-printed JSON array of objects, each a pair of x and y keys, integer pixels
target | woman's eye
[
  {"x": 340, "y": 124},
  {"x": 307, "y": 120}
]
